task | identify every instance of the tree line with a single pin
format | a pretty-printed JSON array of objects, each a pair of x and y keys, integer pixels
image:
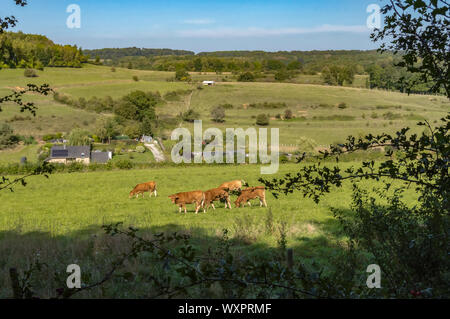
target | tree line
[{"x": 20, "y": 50}]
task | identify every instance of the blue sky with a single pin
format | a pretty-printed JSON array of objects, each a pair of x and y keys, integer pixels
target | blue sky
[{"x": 201, "y": 25}]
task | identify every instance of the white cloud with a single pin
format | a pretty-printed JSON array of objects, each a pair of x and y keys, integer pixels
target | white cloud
[
  {"x": 199, "y": 21},
  {"x": 262, "y": 32}
]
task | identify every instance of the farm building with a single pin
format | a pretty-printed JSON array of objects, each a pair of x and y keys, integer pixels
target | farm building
[
  {"x": 209, "y": 83},
  {"x": 77, "y": 154}
]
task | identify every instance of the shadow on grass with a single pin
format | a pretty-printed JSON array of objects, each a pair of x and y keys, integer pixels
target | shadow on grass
[{"x": 95, "y": 252}]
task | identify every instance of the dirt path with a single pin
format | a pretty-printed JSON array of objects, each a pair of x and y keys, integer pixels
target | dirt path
[{"x": 157, "y": 153}]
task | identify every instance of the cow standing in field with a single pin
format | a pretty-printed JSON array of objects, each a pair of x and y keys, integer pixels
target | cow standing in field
[
  {"x": 144, "y": 188},
  {"x": 182, "y": 199},
  {"x": 252, "y": 193},
  {"x": 232, "y": 186},
  {"x": 214, "y": 195}
]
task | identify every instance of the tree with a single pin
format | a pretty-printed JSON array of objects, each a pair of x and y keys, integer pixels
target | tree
[
  {"x": 218, "y": 114},
  {"x": 79, "y": 137},
  {"x": 10, "y": 22},
  {"x": 7, "y": 136},
  {"x": 137, "y": 105},
  {"x": 182, "y": 75},
  {"x": 246, "y": 77},
  {"x": 419, "y": 31},
  {"x": 106, "y": 130},
  {"x": 295, "y": 66},
  {"x": 338, "y": 75}
]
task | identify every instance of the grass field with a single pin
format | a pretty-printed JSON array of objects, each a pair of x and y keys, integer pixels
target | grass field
[
  {"x": 59, "y": 219},
  {"x": 319, "y": 121}
]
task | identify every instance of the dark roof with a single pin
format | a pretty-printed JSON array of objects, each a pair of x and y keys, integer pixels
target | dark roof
[
  {"x": 100, "y": 157},
  {"x": 70, "y": 152}
]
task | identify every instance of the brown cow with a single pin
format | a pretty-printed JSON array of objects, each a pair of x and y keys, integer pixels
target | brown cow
[
  {"x": 214, "y": 195},
  {"x": 252, "y": 193},
  {"x": 143, "y": 188},
  {"x": 182, "y": 199},
  {"x": 232, "y": 186}
]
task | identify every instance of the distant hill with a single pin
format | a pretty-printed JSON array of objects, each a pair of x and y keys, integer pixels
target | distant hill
[
  {"x": 113, "y": 54},
  {"x": 20, "y": 50}
]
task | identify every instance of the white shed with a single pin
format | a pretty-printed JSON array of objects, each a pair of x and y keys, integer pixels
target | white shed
[{"x": 208, "y": 83}]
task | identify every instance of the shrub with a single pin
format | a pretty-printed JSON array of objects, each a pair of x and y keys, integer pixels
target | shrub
[
  {"x": 124, "y": 164},
  {"x": 140, "y": 149},
  {"x": 342, "y": 105},
  {"x": 288, "y": 115},
  {"x": 135, "y": 78},
  {"x": 30, "y": 73},
  {"x": 262, "y": 120},
  {"x": 246, "y": 77},
  {"x": 218, "y": 114},
  {"x": 190, "y": 116}
]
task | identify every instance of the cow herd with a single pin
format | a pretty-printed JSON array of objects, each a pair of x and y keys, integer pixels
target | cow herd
[{"x": 206, "y": 199}]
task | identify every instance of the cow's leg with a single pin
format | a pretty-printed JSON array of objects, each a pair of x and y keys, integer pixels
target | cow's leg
[
  {"x": 156, "y": 193},
  {"x": 179, "y": 209},
  {"x": 212, "y": 204},
  {"x": 264, "y": 201},
  {"x": 185, "y": 210},
  {"x": 249, "y": 204}
]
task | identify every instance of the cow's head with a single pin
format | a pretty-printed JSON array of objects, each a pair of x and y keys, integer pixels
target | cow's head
[
  {"x": 173, "y": 198},
  {"x": 131, "y": 194}
]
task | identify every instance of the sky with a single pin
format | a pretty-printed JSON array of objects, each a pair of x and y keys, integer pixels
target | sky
[{"x": 201, "y": 25}]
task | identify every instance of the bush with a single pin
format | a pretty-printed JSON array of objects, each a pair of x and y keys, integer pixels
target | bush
[
  {"x": 7, "y": 136},
  {"x": 140, "y": 149},
  {"x": 124, "y": 164},
  {"x": 342, "y": 105},
  {"x": 135, "y": 78},
  {"x": 218, "y": 114},
  {"x": 190, "y": 116},
  {"x": 288, "y": 115},
  {"x": 246, "y": 77},
  {"x": 30, "y": 73},
  {"x": 182, "y": 75},
  {"x": 262, "y": 120}
]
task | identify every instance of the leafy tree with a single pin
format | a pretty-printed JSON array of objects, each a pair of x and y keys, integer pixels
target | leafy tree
[
  {"x": 338, "y": 75},
  {"x": 246, "y": 77},
  {"x": 137, "y": 105},
  {"x": 419, "y": 31},
  {"x": 182, "y": 75},
  {"x": 218, "y": 114},
  {"x": 147, "y": 126},
  {"x": 7, "y": 136},
  {"x": 106, "y": 130},
  {"x": 79, "y": 137},
  {"x": 295, "y": 66}
]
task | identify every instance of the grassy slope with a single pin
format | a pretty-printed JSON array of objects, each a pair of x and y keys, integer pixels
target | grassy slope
[{"x": 53, "y": 216}]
